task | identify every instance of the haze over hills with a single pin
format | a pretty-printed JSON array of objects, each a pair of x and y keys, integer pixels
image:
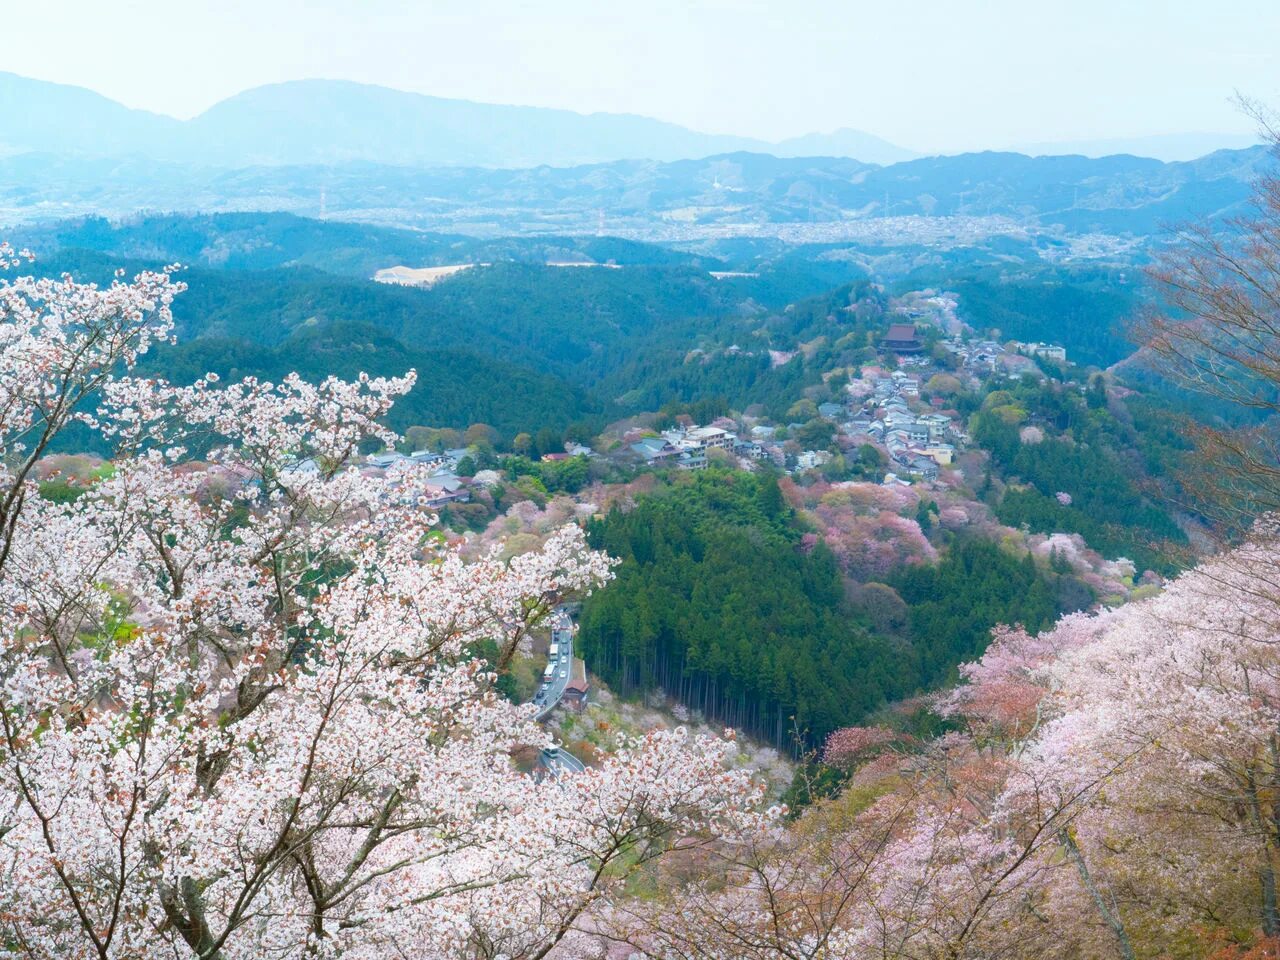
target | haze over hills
[
  {"x": 372, "y": 154},
  {"x": 1168, "y": 146},
  {"x": 730, "y": 195},
  {"x": 56, "y": 118},
  {"x": 844, "y": 142},
  {"x": 327, "y": 121},
  {"x": 338, "y": 121}
]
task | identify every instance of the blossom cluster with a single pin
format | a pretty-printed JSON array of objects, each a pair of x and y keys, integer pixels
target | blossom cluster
[{"x": 242, "y": 704}]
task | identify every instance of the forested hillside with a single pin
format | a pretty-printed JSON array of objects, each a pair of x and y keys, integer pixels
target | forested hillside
[
  {"x": 516, "y": 344},
  {"x": 1091, "y": 473},
  {"x": 262, "y": 241},
  {"x": 258, "y": 277},
  {"x": 721, "y": 603},
  {"x": 716, "y": 604},
  {"x": 952, "y": 605},
  {"x": 1086, "y": 310},
  {"x": 455, "y": 387}
]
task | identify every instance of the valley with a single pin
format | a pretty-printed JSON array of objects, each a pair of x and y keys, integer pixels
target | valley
[
  {"x": 913, "y": 465},
  {"x": 469, "y": 531}
]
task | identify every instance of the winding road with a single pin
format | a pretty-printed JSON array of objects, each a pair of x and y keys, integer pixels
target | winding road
[
  {"x": 551, "y": 690},
  {"x": 557, "y": 760}
]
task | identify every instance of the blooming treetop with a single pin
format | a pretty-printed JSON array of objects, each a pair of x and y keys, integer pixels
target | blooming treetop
[
  {"x": 243, "y": 719},
  {"x": 1111, "y": 791}
]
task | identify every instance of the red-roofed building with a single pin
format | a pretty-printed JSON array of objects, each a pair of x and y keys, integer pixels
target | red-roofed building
[
  {"x": 902, "y": 338},
  {"x": 575, "y": 691}
]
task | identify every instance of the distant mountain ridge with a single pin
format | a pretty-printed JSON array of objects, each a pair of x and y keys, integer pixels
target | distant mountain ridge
[
  {"x": 1169, "y": 147},
  {"x": 57, "y": 118},
  {"x": 804, "y": 199},
  {"x": 339, "y": 121},
  {"x": 375, "y": 155},
  {"x": 853, "y": 144}
]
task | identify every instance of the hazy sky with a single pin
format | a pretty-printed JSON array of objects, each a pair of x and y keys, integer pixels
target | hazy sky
[{"x": 930, "y": 74}]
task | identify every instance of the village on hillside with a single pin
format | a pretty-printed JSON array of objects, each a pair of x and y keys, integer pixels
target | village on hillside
[{"x": 894, "y": 421}]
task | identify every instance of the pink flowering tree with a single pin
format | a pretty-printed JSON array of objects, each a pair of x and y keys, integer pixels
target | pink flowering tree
[
  {"x": 923, "y": 858},
  {"x": 1188, "y": 681},
  {"x": 243, "y": 718},
  {"x": 849, "y": 745},
  {"x": 865, "y": 526},
  {"x": 871, "y": 547}
]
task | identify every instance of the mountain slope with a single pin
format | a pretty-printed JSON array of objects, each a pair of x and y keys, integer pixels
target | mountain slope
[
  {"x": 268, "y": 323},
  {"x": 455, "y": 388},
  {"x": 808, "y": 198},
  {"x": 1168, "y": 146},
  {"x": 54, "y": 117},
  {"x": 338, "y": 121},
  {"x": 266, "y": 240},
  {"x": 333, "y": 121},
  {"x": 844, "y": 143}
]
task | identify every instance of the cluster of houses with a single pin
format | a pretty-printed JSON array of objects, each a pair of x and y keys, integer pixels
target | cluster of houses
[
  {"x": 883, "y": 408},
  {"x": 442, "y": 486},
  {"x": 686, "y": 447},
  {"x": 1049, "y": 351},
  {"x": 918, "y": 444},
  {"x": 974, "y": 356},
  {"x": 981, "y": 357},
  {"x": 885, "y": 412}
]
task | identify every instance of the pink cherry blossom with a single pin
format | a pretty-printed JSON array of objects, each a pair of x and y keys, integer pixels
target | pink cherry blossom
[{"x": 240, "y": 714}]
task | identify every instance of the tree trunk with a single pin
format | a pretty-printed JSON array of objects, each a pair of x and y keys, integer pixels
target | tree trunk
[{"x": 1107, "y": 910}]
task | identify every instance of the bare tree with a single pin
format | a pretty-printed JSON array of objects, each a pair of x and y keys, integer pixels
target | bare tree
[{"x": 1218, "y": 334}]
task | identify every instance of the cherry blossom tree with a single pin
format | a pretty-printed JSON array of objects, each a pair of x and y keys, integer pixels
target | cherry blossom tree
[
  {"x": 1191, "y": 833},
  {"x": 1110, "y": 792},
  {"x": 1173, "y": 703},
  {"x": 848, "y": 745},
  {"x": 865, "y": 527},
  {"x": 243, "y": 718},
  {"x": 777, "y": 893},
  {"x": 924, "y": 855}
]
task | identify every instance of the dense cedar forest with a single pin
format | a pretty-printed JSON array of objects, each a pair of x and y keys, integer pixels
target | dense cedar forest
[
  {"x": 952, "y": 605},
  {"x": 717, "y": 603}
]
